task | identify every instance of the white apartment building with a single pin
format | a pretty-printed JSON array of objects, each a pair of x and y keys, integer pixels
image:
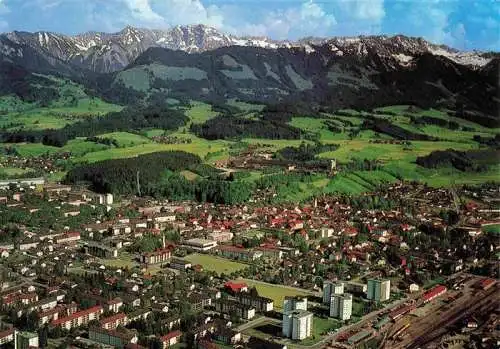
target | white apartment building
[
  {"x": 294, "y": 303},
  {"x": 379, "y": 290},
  {"x": 341, "y": 306},
  {"x": 297, "y": 324},
  {"x": 330, "y": 288}
]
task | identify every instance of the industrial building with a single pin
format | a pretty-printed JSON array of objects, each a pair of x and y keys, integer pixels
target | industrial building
[
  {"x": 201, "y": 245},
  {"x": 433, "y": 293}
]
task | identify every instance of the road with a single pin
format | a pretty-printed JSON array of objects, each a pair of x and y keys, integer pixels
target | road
[{"x": 256, "y": 322}]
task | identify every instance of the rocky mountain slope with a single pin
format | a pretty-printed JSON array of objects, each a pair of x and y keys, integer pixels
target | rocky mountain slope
[
  {"x": 375, "y": 78},
  {"x": 200, "y": 63},
  {"x": 110, "y": 52}
]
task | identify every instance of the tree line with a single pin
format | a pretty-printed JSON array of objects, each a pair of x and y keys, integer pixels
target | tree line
[
  {"x": 232, "y": 127},
  {"x": 158, "y": 175},
  {"x": 134, "y": 118}
]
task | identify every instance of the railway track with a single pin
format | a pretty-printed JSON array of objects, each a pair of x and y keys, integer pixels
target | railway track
[
  {"x": 441, "y": 328},
  {"x": 487, "y": 300}
]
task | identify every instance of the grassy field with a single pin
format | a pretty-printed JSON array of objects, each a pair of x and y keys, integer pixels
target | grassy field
[
  {"x": 494, "y": 228},
  {"x": 72, "y": 105},
  {"x": 364, "y": 149},
  {"x": 123, "y": 261},
  {"x": 213, "y": 263},
  {"x": 321, "y": 326},
  {"x": 201, "y": 148},
  {"x": 126, "y": 139},
  {"x": 397, "y": 160},
  {"x": 32, "y": 149},
  {"x": 276, "y": 292},
  {"x": 13, "y": 171},
  {"x": 200, "y": 112},
  {"x": 190, "y": 176}
]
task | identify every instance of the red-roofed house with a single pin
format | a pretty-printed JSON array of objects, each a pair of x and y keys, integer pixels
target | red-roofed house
[
  {"x": 6, "y": 336},
  {"x": 171, "y": 339},
  {"x": 350, "y": 231},
  {"x": 70, "y": 237},
  {"x": 236, "y": 287},
  {"x": 159, "y": 256},
  {"x": 79, "y": 318},
  {"x": 112, "y": 322},
  {"x": 487, "y": 283},
  {"x": 114, "y": 305},
  {"x": 23, "y": 298}
]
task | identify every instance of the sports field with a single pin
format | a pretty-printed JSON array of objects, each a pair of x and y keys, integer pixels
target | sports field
[
  {"x": 276, "y": 292},
  {"x": 213, "y": 263}
]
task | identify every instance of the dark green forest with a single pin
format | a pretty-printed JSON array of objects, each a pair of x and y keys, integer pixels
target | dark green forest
[
  {"x": 157, "y": 175},
  {"x": 131, "y": 118}
]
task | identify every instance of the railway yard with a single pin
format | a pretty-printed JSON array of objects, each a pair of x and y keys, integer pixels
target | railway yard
[{"x": 462, "y": 308}]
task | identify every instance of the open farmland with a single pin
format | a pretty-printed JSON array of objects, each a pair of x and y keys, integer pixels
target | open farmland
[
  {"x": 126, "y": 139},
  {"x": 396, "y": 159},
  {"x": 216, "y": 264}
]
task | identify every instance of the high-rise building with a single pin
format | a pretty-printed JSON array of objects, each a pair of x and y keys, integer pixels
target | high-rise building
[
  {"x": 379, "y": 290},
  {"x": 294, "y": 303},
  {"x": 297, "y": 324},
  {"x": 341, "y": 306},
  {"x": 330, "y": 288}
]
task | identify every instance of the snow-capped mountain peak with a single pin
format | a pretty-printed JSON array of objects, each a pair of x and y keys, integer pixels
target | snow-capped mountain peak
[{"x": 107, "y": 52}]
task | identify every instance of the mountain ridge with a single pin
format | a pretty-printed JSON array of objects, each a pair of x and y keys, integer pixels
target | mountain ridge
[{"x": 109, "y": 52}]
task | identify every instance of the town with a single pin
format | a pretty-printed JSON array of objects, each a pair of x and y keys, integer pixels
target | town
[{"x": 406, "y": 267}]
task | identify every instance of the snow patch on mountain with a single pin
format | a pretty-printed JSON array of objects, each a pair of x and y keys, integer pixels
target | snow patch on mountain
[{"x": 107, "y": 52}]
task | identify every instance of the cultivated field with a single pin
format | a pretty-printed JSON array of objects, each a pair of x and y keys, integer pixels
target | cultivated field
[{"x": 396, "y": 160}]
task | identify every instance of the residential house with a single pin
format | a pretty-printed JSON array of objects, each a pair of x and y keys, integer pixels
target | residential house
[
  {"x": 261, "y": 304},
  {"x": 221, "y": 236},
  {"x": 236, "y": 287},
  {"x": 171, "y": 339},
  {"x": 116, "y": 338},
  {"x": 7, "y": 336},
  {"x": 273, "y": 253},
  {"x": 171, "y": 321},
  {"x": 161, "y": 255},
  {"x": 226, "y": 306},
  {"x": 227, "y": 335},
  {"x": 198, "y": 301},
  {"x": 68, "y": 238},
  {"x": 238, "y": 253},
  {"x": 180, "y": 264},
  {"x": 114, "y": 305},
  {"x": 112, "y": 322},
  {"x": 79, "y": 318}
]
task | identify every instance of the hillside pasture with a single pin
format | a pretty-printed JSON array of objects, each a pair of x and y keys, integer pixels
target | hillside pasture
[{"x": 126, "y": 139}]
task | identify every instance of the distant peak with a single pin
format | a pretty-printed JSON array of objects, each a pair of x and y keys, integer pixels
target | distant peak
[{"x": 129, "y": 29}]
